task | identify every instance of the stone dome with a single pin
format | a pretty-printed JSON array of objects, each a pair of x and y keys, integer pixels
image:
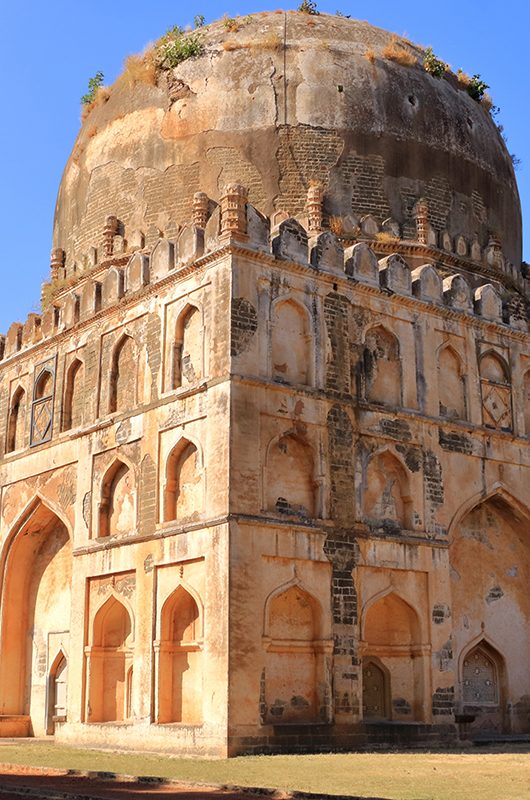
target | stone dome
[{"x": 286, "y": 101}]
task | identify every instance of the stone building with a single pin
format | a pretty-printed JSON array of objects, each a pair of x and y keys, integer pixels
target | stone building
[{"x": 265, "y": 454}]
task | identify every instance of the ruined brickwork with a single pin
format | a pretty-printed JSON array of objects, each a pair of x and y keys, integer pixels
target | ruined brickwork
[{"x": 264, "y": 476}]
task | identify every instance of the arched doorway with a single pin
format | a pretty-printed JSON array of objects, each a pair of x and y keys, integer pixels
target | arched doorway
[
  {"x": 36, "y": 579},
  {"x": 393, "y": 661},
  {"x": 490, "y": 574},
  {"x": 57, "y": 692},
  {"x": 376, "y": 690}
]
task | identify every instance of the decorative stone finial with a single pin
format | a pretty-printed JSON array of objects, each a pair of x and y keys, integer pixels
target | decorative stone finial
[
  {"x": 234, "y": 211},
  {"x": 109, "y": 232},
  {"x": 422, "y": 221},
  {"x": 200, "y": 209},
  {"x": 314, "y": 209},
  {"x": 57, "y": 261}
]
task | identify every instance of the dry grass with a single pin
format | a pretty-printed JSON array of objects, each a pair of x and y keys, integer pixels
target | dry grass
[
  {"x": 232, "y": 24},
  {"x": 385, "y": 236},
  {"x": 487, "y": 101},
  {"x": 395, "y": 51},
  {"x": 102, "y": 95},
  {"x": 230, "y": 45},
  {"x": 336, "y": 226},
  {"x": 370, "y": 55},
  {"x": 269, "y": 42},
  {"x": 463, "y": 78},
  {"x": 490, "y": 775},
  {"x": 139, "y": 69}
]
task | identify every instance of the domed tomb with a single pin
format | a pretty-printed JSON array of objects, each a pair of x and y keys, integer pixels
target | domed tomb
[{"x": 285, "y": 101}]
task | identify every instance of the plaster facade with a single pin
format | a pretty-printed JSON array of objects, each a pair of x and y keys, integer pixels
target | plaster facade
[{"x": 265, "y": 486}]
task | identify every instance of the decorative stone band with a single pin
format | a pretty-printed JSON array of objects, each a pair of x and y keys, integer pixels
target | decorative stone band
[{"x": 122, "y": 274}]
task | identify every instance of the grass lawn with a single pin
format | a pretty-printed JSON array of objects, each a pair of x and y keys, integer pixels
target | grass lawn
[{"x": 470, "y": 775}]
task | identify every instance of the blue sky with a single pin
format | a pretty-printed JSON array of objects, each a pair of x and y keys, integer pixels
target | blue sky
[{"x": 48, "y": 50}]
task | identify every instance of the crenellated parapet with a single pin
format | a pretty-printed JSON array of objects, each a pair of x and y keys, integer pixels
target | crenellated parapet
[{"x": 371, "y": 254}]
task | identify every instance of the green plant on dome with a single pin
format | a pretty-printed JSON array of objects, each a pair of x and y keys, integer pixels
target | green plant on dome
[
  {"x": 93, "y": 85},
  {"x": 433, "y": 65},
  {"x": 178, "y": 45},
  {"x": 308, "y": 7},
  {"x": 476, "y": 87}
]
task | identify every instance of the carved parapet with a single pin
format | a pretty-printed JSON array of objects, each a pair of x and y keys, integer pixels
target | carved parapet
[
  {"x": 234, "y": 212},
  {"x": 258, "y": 229},
  {"x": 327, "y": 252},
  {"x": 71, "y": 309},
  {"x": 461, "y": 246},
  {"x": 457, "y": 293},
  {"x": 200, "y": 209},
  {"x": 488, "y": 303},
  {"x": 136, "y": 273},
  {"x": 422, "y": 221},
  {"x": 394, "y": 274},
  {"x": 446, "y": 241},
  {"x": 427, "y": 284},
  {"x": 515, "y": 313},
  {"x": 90, "y": 299},
  {"x": 314, "y": 209},
  {"x": 50, "y": 320},
  {"x": 109, "y": 232},
  {"x": 162, "y": 259},
  {"x": 190, "y": 244},
  {"x": 290, "y": 241},
  {"x": 370, "y": 225},
  {"x": 112, "y": 289},
  {"x": 57, "y": 263},
  {"x": 493, "y": 253},
  {"x": 31, "y": 331},
  {"x": 392, "y": 227},
  {"x": 360, "y": 263},
  {"x": 13, "y": 339}
]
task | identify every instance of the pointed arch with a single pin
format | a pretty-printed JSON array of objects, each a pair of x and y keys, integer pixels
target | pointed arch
[
  {"x": 382, "y": 366},
  {"x": 43, "y": 385},
  {"x": 123, "y": 393},
  {"x": 72, "y": 415},
  {"x": 493, "y": 367},
  {"x": 497, "y": 492},
  {"x": 489, "y": 561},
  {"x": 117, "y": 507},
  {"x": 188, "y": 350},
  {"x": 57, "y": 691},
  {"x": 36, "y": 570},
  {"x": 293, "y": 584},
  {"x": 294, "y": 655},
  {"x": 110, "y": 661},
  {"x": 291, "y": 342},
  {"x": 392, "y": 634},
  {"x": 16, "y": 419},
  {"x": 180, "y": 657},
  {"x": 386, "y": 491},
  {"x": 183, "y": 489},
  {"x": 451, "y": 383},
  {"x": 496, "y": 391},
  {"x": 289, "y": 485}
]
